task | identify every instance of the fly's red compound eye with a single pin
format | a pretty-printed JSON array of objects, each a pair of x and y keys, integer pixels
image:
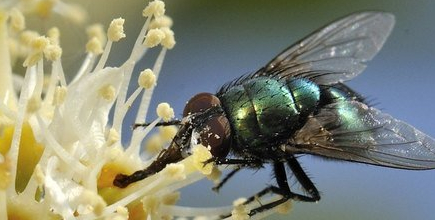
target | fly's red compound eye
[
  {"x": 216, "y": 134},
  {"x": 200, "y": 102}
]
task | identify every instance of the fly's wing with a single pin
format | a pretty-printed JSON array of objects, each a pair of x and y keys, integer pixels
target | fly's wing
[
  {"x": 335, "y": 53},
  {"x": 352, "y": 131}
]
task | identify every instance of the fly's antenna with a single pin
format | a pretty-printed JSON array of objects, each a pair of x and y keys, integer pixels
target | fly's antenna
[{"x": 164, "y": 123}]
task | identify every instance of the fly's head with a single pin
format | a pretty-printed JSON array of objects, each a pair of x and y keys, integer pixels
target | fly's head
[
  {"x": 211, "y": 127},
  {"x": 203, "y": 122}
]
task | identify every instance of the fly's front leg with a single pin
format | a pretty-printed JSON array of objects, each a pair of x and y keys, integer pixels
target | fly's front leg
[
  {"x": 162, "y": 124},
  {"x": 217, "y": 187},
  {"x": 248, "y": 162}
]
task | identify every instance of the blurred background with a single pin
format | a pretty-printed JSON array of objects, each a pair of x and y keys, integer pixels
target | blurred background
[{"x": 218, "y": 41}]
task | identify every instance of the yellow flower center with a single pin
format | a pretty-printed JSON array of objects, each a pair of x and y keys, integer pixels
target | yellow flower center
[{"x": 28, "y": 156}]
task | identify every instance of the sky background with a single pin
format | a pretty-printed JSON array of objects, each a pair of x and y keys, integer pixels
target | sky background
[{"x": 218, "y": 41}]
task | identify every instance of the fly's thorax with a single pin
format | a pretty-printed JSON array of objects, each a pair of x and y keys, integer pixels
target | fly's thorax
[{"x": 266, "y": 110}]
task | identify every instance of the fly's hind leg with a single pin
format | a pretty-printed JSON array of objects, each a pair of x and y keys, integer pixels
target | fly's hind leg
[
  {"x": 283, "y": 188},
  {"x": 303, "y": 179}
]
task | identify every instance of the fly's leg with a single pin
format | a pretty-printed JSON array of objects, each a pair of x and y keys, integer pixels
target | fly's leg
[
  {"x": 163, "y": 124},
  {"x": 246, "y": 162},
  {"x": 283, "y": 188},
  {"x": 217, "y": 187},
  {"x": 265, "y": 191},
  {"x": 303, "y": 179}
]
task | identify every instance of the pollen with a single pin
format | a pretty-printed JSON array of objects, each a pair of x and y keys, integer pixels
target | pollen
[
  {"x": 165, "y": 111},
  {"x": 169, "y": 40},
  {"x": 168, "y": 132},
  {"x": 240, "y": 211},
  {"x": 154, "y": 144},
  {"x": 53, "y": 35},
  {"x": 45, "y": 7},
  {"x": 96, "y": 30},
  {"x": 107, "y": 92},
  {"x": 215, "y": 175},
  {"x": 18, "y": 22},
  {"x": 94, "y": 46},
  {"x": 175, "y": 171},
  {"x": 26, "y": 37},
  {"x": 32, "y": 59},
  {"x": 53, "y": 52},
  {"x": 160, "y": 22},
  {"x": 75, "y": 14},
  {"x": 155, "y": 8},
  {"x": 113, "y": 137},
  {"x": 150, "y": 204},
  {"x": 37, "y": 45},
  {"x": 40, "y": 43},
  {"x": 154, "y": 37},
  {"x": 116, "y": 30},
  {"x": 200, "y": 155},
  {"x": 147, "y": 79}
]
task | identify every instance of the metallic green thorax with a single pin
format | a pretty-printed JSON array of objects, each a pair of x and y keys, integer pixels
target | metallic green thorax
[{"x": 263, "y": 110}]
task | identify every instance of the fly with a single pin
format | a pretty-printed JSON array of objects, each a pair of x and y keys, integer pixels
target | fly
[{"x": 298, "y": 104}]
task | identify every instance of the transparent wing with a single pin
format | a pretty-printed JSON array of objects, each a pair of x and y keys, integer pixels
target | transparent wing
[
  {"x": 350, "y": 130},
  {"x": 335, "y": 53}
]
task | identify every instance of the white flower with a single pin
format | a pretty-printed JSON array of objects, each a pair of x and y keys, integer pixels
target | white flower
[{"x": 59, "y": 148}]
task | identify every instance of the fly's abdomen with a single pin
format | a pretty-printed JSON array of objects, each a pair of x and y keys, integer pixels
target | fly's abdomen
[{"x": 264, "y": 110}]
